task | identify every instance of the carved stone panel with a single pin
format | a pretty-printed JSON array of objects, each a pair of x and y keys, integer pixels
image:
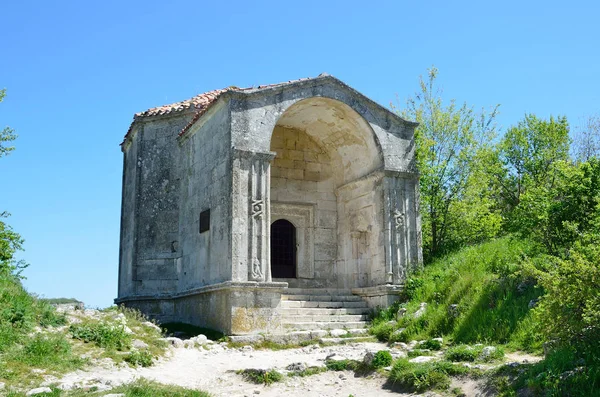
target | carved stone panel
[
  {"x": 251, "y": 223},
  {"x": 402, "y": 227}
]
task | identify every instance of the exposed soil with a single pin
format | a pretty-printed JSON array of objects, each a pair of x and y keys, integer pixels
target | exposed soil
[{"x": 213, "y": 368}]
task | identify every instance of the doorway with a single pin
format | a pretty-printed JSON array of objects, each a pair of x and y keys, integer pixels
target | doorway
[{"x": 283, "y": 249}]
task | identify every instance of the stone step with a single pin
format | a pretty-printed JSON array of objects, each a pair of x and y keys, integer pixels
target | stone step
[
  {"x": 295, "y": 337},
  {"x": 322, "y": 304},
  {"x": 316, "y": 291},
  {"x": 324, "y": 318},
  {"x": 321, "y": 298},
  {"x": 321, "y": 311},
  {"x": 313, "y": 325}
]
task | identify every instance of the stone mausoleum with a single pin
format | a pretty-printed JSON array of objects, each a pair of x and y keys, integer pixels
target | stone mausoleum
[{"x": 285, "y": 207}]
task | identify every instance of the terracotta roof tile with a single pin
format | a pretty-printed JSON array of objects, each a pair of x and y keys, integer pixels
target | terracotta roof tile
[{"x": 200, "y": 103}]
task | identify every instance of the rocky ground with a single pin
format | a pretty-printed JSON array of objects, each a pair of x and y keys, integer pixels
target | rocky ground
[
  {"x": 212, "y": 367},
  {"x": 199, "y": 363}
]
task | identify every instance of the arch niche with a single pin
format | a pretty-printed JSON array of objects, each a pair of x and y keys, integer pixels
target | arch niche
[{"x": 323, "y": 178}]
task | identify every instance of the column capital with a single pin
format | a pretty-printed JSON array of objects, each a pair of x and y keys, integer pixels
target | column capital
[{"x": 248, "y": 154}]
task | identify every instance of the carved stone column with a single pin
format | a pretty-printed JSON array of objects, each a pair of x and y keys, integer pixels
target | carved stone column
[
  {"x": 251, "y": 259},
  {"x": 402, "y": 229}
]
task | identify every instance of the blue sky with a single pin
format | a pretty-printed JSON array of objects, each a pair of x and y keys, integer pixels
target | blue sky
[{"x": 76, "y": 72}]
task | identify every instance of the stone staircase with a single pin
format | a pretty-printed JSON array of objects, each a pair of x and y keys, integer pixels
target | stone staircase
[{"x": 318, "y": 309}]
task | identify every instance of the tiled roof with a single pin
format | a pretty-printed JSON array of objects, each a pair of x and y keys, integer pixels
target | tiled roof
[{"x": 200, "y": 103}]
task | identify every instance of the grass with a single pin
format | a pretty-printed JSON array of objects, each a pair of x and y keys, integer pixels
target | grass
[
  {"x": 382, "y": 358},
  {"x": 314, "y": 370},
  {"x": 473, "y": 353},
  {"x": 24, "y": 342},
  {"x": 140, "y": 358},
  {"x": 60, "y": 301},
  {"x": 425, "y": 376},
  {"x": 561, "y": 373},
  {"x": 139, "y": 388},
  {"x": 474, "y": 295},
  {"x": 261, "y": 376},
  {"x": 103, "y": 334},
  {"x": 342, "y": 365}
]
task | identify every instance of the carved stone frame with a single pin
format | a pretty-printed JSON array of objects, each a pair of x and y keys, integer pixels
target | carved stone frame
[{"x": 302, "y": 217}]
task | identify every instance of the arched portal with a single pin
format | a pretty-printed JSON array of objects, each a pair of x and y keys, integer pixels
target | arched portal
[
  {"x": 325, "y": 175},
  {"x": 283, "y": 249}
]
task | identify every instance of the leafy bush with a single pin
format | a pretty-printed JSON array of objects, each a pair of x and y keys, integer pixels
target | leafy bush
[
  {"x": 382, "y": 358},
  {"x": 561, "y": 373},
  {"x": 141, "y": 358},
  {"x": 569, "y": 312},
  {"x": 102, "y": 334}
]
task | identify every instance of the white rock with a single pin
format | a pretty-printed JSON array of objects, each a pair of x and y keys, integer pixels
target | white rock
[
  {"x": 398, "y": 354},
  {"x": 400, "y": 345},
  {"x": 2, "y": 385},
  {"x": 138, "y": 344},
  {"x": 421, "y": 359},
  {"x": 338, "y": 332},
  {"x": 335, "y": 357},
  {"x": 127, "y": 330},
  {"x": 368, "y": 358},
  {"x": 39, "y": 390},
  {"x": 200, "y": 339},
  {"x": 175, "y": 342},
  {"x": 421, "y": 310},
  {"x": 441, "y": 340},
  {"x": 115, "y": 395},
  {"x": 151, "y": 325},
  {"x": 67, "y": 386},
  {"x": 486, "y": 352}
]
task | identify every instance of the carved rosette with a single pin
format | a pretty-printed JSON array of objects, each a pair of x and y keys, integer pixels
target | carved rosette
[{"x": 254, "y": 194}]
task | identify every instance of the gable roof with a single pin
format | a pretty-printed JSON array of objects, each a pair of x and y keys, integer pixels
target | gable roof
[{"x": 201, "y": 103}]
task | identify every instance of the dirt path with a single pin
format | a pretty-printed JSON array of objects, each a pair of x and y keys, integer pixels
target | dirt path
[{"x": 214, "y": 371}]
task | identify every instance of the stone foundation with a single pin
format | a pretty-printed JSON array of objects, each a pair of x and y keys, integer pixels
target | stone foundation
[
  {"x": 234, "y": 308},
  {"x": 380, "y": 296}
]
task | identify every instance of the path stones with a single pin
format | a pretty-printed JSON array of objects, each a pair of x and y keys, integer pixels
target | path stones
[
  {"x": 38, "y": 390},
  {"x": 338, "y": 332},
  {"x": 173, "y": 341},
  {"x": 138, "y": 344},
  {"x": 335, "y": 357},
  {"x": 422, "y": 359}
]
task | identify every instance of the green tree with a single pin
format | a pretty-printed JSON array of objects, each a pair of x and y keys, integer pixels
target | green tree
[
  {"x": 10, "y": 241},
  {"x": 7, "y": 134},
  {"x": 587, "y": 139},
  {"x": 527, "y": 168},
  {"x": 450, "y": 140}
]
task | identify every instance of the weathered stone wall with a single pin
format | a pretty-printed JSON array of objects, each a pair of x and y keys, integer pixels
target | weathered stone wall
[
  {"x": 128, "y": 200},
  {"x": 361, "y": 260},
  {"x": 152, "y": 186},
  {"x": 205, "y": 185},
  {"x": 302, "y": 173}
]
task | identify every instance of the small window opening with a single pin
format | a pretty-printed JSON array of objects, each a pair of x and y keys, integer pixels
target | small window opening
[{"x": 204, "y": 221}]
